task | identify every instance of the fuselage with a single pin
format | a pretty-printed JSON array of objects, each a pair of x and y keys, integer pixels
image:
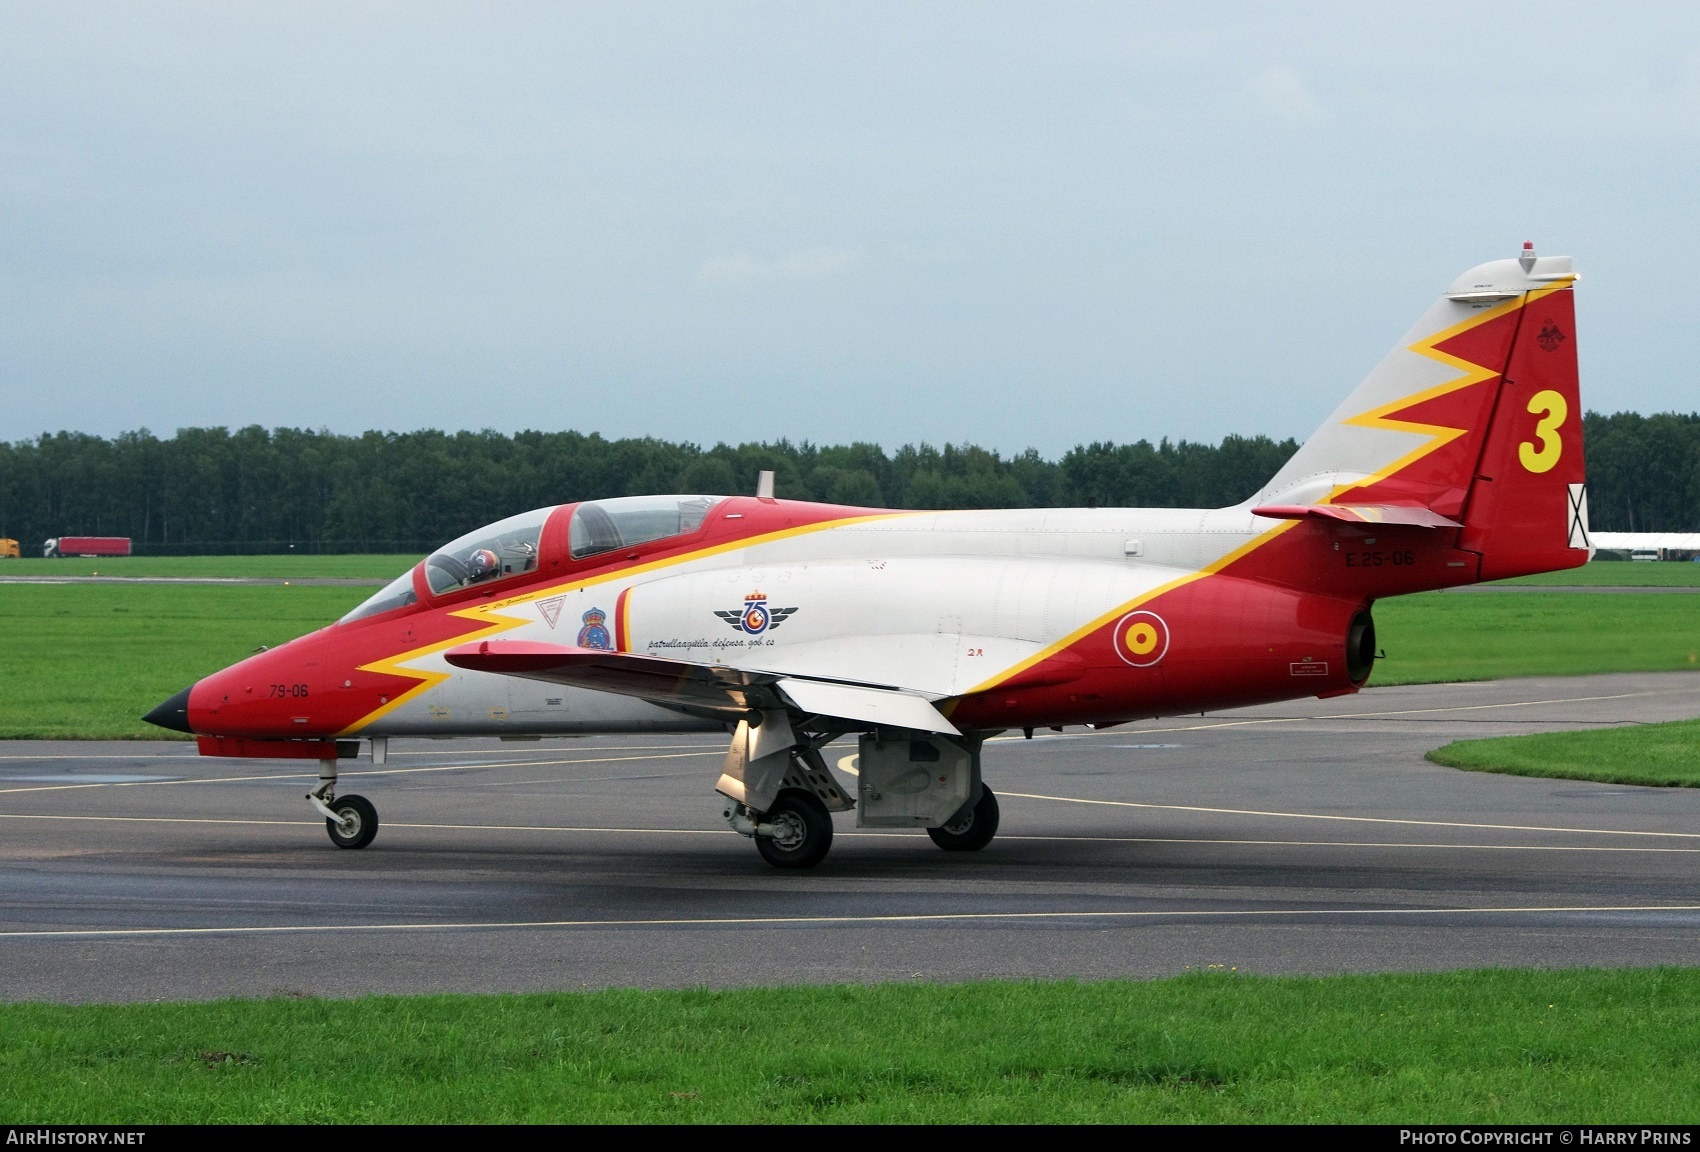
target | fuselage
[
  {"x": 789, "y": 625},
  {"x": 1005, "y": 619}
]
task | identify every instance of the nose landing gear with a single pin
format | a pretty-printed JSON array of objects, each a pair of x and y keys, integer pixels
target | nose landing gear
[{"x": 352, "y": 821}]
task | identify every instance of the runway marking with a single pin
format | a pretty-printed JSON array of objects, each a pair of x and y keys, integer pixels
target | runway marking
[
  {"x": 779, "y": 921},
  {"x": 128, "y": 756},
  {"x": 315, "y": 822},
  {"x": 908, "y": 834},
  {"x": 578, "y": 779},
  {"x": 196, "y": 757},
  {"x": 1353, "y": 819},
  {"x": 362, "y": 772},
  {"x": 540, "y": 751},
  {"x": 1509, "y": 704},
  {"x": 1123, "y": 734}
]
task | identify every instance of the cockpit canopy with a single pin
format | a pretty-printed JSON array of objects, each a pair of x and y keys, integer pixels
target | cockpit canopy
[
  {"x": 398, "y": 593},
  {"x": 505, "y": 548},
  {"x": 512, "y": 547},
  {"x": 604, "y": 525}
]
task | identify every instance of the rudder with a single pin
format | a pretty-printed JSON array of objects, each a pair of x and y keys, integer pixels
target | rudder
[{"x": 1528, "y": 508}]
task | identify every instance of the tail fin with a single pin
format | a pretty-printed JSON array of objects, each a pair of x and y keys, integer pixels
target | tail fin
[{"x": 1475, "y": 416}]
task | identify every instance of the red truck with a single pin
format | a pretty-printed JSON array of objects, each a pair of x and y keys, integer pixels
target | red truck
[{"x": 87, "y": 546}]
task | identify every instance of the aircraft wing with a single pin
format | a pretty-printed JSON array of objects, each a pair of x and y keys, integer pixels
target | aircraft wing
[{"x": 712, "y": 686}]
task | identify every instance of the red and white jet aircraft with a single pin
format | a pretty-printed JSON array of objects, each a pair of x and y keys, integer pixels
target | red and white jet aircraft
[{"x": 788, "y": 624}]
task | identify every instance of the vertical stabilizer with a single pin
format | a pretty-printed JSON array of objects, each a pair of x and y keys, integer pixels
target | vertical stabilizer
[{"x": 1475, "y": 415}]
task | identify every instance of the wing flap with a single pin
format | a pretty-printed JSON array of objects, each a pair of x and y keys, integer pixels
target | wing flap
[{"x": 871, "y": 705}]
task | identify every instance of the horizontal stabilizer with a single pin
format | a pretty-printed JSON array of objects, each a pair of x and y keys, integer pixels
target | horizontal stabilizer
[
  {"x": 1358, "y": 514},
  {"x": 711, "y": 686}
]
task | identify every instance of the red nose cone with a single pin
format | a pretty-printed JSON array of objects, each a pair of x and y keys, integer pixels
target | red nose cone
[{"x": 308, "y": 689}]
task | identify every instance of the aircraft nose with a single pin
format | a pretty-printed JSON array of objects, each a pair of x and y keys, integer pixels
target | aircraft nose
[{"x": 174, "y": 713}]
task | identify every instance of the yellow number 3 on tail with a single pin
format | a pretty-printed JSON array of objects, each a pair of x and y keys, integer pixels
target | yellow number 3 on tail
[{"x": 1553, "y": 410}]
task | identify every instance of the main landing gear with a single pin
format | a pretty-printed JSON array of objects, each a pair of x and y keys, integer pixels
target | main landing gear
[
  {"x": 352, "y": 821},
  {"x": 973, "y": 829},
  {"x": 795, "y": 831},
  {"x": 780, "y": 793}
]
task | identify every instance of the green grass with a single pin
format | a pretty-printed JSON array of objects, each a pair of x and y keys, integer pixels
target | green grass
[
  {"x": 376, "y": 567},
  {"x": 1623, "y": 574},
  {"x": 1662, "y": 755},
  {"x": 1443, "y": 636},
  {"x": 1486, "y": 1046},
  {"x": 87, "y": 661}
]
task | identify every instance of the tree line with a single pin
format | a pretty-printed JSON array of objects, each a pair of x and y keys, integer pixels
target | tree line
[{"x": 208, "y": 490}]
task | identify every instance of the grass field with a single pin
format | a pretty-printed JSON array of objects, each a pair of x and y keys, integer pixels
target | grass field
[
  {"x": 86, "y": 661},
  {"x": 1485, "y": 1046},
  {"x": 348, "y": 567},
  {"x": 1442, "y": 636},
  {"x": 1623, "y": 574},
  {"x": 1656, "y": 754}
]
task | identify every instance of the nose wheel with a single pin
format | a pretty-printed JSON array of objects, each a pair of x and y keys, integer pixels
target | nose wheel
[
  {"x": 355, "y": 822},
  {"x": 352, "y": 821}
]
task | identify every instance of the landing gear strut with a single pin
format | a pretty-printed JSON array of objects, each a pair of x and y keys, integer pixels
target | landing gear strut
[{"x": 352, "y": 821}]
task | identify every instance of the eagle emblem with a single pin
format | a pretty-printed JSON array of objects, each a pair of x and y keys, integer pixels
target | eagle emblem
[
  {"x": 756, "y": 617},
  {"x": 1550, "y": 337}
]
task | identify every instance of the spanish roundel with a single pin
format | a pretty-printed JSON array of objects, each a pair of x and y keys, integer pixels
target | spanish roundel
[{"x": 1141, "y": 638}]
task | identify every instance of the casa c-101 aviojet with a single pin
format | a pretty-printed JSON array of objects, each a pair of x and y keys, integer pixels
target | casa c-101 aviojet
[{"x": 787, "y": 624}]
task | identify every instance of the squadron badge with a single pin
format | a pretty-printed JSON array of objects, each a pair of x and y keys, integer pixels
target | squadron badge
[
  {"x": 594, "y": 634},
  {"x": 756, "y": 617}
]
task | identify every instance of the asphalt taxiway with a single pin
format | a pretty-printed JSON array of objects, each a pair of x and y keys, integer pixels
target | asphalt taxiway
[{"x": 1303, "y": 837}]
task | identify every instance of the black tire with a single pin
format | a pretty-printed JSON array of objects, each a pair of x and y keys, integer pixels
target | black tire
[
  {"x": 809, "y": 831},
  {"x": 362, "y": 819},
  {"x": 973, "y": 831}
]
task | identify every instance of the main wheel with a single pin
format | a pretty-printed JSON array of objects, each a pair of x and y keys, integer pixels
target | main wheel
[
  {"x": 358, "y": 822},
  {"x": 804, "y": 831},
  {"x": 972, "y": 832}
]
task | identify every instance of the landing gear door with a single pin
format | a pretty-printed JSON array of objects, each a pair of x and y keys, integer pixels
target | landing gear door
[{"x": 912, "y": 780}]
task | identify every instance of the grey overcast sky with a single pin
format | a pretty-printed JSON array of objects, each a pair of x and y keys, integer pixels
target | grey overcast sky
[{"x": 1011, "y": 224}]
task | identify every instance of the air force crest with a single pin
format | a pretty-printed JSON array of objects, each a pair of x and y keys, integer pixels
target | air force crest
[{"x": 756, "y": 617}]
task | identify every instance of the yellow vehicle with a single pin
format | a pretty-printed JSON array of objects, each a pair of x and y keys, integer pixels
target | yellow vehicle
[{"x": 8, "y": 548}]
